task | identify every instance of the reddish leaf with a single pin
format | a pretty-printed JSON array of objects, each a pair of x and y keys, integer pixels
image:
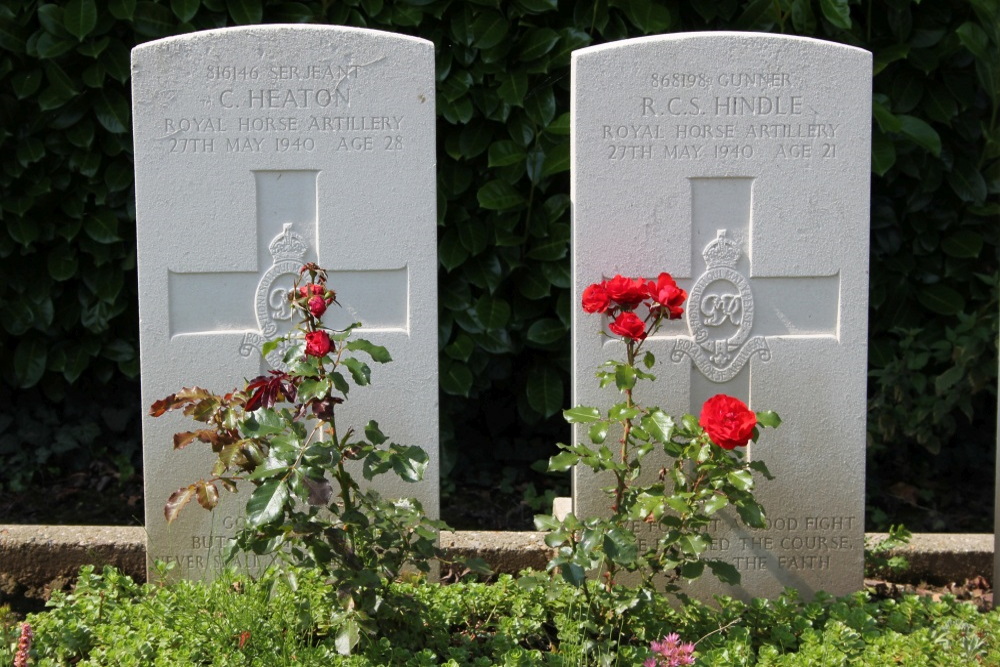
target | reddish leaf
[
  {"x": 208, "y": 494},
  {"x": 182, "y": 440},
  {"x": 204, "y": 409},
  {"x": 266, "y": 391},
  {"x": 177, "y": 500},
  {"x": 174, "y": 401}
]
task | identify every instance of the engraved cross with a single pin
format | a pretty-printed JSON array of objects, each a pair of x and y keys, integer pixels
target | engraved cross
[
  {"x": 732, "y": 311},
  {"x": 255, "y": 302}
]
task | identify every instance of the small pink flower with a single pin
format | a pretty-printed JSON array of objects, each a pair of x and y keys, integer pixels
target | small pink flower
[{"x": 24, "y": 646}]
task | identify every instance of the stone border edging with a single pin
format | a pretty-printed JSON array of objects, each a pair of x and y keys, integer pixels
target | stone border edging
[{"x": 35, "y": 560}]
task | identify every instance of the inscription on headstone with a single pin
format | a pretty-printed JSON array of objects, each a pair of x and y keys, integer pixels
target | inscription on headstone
[
  {"x": 256, "y": 150},
  {"x": 740, "y": 164}
]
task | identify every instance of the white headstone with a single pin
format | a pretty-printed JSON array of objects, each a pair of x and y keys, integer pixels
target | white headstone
[
  {"x": 257, "y": 149},
  {"x": 764, "y": 140}
]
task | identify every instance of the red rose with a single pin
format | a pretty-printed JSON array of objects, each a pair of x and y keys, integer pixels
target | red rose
[
  {"x": 596, "y": 299},
  {"x": 728, "y": 421},
  {"x": 317, "y": 343},
  {"x": 317, "y": 306},
  {"x": 628, "y": 325},
  {"x": 312, "y": 289},
  {"x": 667, "y": 295},
  {"x": 627, "y": 292}
]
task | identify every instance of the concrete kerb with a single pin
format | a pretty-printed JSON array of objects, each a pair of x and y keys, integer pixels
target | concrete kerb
[{"x": 35, "y": 560}]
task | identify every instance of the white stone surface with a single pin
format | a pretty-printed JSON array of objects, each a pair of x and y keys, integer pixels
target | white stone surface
[
  {"x": 765, "y": 138},
  {"x": 243, "y": 135}
]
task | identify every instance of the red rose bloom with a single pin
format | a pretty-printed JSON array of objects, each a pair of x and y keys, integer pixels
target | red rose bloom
[
  {"x": 596, "y": 299},
  {"x": 317, "y": 343},
  {"x": 628, "y": 325},
  {"x": 667, "y": 295},
  {"x": 317, "y": 306},
  {"x": 728, "y": 421},
  {"x": 312, "y": 289},
  {"x": 627, "y": 292}
]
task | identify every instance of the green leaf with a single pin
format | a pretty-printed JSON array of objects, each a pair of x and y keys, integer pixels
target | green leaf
[
  {"x": 378, "y": 353},
  {"x": 185, "y": 10},
  {"x": 489, "y": 29},
  {"x": 493, "y": 312},
  {"x": 888, "y": 55},
  {"x": 693, "y": 545},
  {"x": 624, "y": 377},
  {"x": 964, "y": 244},
  {"x": 513, "y": 86},
  {"x": 546, "y": 331},
  {"x": 581, "y": 415},
  {"x": 540, "y": 105},
  {"x": 544, "y": 390},
  {"x": 941, "y": 299},
  {"x": 967, "y": 181},
  {"x": 921, "y": 133},
  {"x": 556, "y": 159},
  {"x": 883, "y": 153},
  {"x": 359, "y": 371},
  {"x": 536, "y": 43},
  {"x": 62, "y": 262},
  {"x": 348, "y": 636},
  {"x": 837, "y": 12},
  {"x": 30, "y": 358},
  {"x": 885, "y": 118},
  {"x": 975, "y": 39},
  {"x": 102, "y": 226},
  {"x": 649, "y": 17},
  {"x": 621, "y": 412},
  {"x": 246, "y": 12},
  {"x": 498, "y": 195},
  {"x": 80, "y": 17},
  {"x": 153, "y": 20},
  {"x": 715, "y": 503},
  {"x": 563, "y": 461},
  {"x": 451, "y": 252},
  {"x": 456, "y": 378},
  {"x": 111, "y": 109},
  {"x": 409, "y": 463},
  {"x": 505, "y": 153},
  {"x": 768, "y": 418},
  {"x": 267, "y": 503},
  {"x": 374, "y": 433},
  {"x": 658, "y": 425},
  {"x": 123, "y": 10},
  {"x": 751, "y": 515},
  {"x": 741, "y": 479},
  {"x": 598, "y": 432},
  {"x": 620, "y": 545}
]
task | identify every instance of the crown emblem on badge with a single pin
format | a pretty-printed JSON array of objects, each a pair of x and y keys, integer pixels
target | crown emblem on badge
[
  {"x": 722, "y": 252},
  {"x": 288, "y": 245}
]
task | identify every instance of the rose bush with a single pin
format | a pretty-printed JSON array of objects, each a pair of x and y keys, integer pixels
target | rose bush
[
  {"x": 280, "y": 434},
  {"x": 698, "y": 470}
]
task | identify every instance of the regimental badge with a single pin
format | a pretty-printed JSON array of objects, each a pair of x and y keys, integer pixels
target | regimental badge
[
  {"x": 271, "y": 301},
  {"x": 720, "y": 316}
]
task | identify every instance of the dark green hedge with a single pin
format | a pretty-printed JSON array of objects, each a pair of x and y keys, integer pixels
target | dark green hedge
[{"x": 67, "y": 276}]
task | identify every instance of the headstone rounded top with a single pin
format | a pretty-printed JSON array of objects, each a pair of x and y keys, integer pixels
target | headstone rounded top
[
  {"x": 691, "y": 40},
  {"x": 280, "y": 30}
]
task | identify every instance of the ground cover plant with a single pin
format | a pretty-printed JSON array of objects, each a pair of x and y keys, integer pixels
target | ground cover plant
[{"x": 285, "y": 619}]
